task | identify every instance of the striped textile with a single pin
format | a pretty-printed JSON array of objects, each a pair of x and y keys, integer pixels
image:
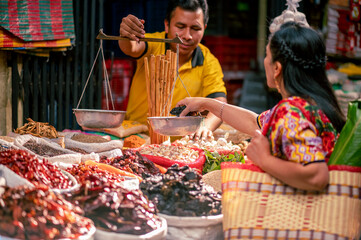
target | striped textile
[
  {"x": 11, "y": 42},
  {"x": 258, "y": 206},
  {"x": 38, "y": 20}
]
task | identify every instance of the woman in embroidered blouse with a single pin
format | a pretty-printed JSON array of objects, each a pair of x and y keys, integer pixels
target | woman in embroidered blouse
[{"x": 294, "y": 140}]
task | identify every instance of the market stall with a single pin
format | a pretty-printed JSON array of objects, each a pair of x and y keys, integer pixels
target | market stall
[
  {"x": 143, "y": 191},
  {"x": 118, "y": 179}
]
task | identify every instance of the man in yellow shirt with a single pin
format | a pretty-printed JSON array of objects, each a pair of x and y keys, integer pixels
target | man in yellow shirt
[{"x": 199, "y": 70}]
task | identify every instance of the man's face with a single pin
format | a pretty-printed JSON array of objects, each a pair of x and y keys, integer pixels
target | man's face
[{"x": 190, "y": 28}]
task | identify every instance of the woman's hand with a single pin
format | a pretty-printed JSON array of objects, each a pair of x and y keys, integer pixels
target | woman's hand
[
  {"x": 259, "y": 149},
  {"x": 132, "y": 27},
  {"x": 193, "y": 104}
]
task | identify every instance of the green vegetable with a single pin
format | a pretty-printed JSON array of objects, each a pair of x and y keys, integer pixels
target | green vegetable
[
  {"x": 347, "y": 150},
  {"x": 214, "y": 160}
]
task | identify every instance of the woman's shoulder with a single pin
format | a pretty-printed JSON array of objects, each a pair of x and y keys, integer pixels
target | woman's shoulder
[
  {"x": 294, "y": 102},
  {"x": 295, "y": 107},
  {"x": 301, "y": 108}
]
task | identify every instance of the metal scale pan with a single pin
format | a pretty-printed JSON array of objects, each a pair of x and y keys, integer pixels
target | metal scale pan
[{"x": 97, "y": 118}]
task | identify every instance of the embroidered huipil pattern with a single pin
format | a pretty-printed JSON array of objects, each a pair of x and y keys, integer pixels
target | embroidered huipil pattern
[{"x": 298, "y": 131}]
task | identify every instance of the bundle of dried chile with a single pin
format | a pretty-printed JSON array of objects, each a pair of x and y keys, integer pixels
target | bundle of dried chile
[
  {"x": 132, "y": 161},
  {"x": 34, "y": 170},
  {"x": 37, "y": 213},
  {"x": 180, "y": 192},
  {"x": 115, "y": 209}
]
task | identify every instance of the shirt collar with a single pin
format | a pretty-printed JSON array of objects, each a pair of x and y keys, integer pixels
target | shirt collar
[{"x": 197, "y": 56}]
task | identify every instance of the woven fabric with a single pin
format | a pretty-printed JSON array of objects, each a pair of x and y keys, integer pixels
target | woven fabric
[
  {"x": 9, "y": 42},
  {"x": 32, "y": 20},
  {"x": 256, "y": 205}
]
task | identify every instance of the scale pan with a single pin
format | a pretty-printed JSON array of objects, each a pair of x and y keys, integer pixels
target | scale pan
[
  {"x": 93, "y": 118},
  {"x": 175, "y": 126}
]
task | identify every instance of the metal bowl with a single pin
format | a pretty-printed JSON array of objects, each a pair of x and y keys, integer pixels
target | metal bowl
[
  {"x": 93, "y": 118},
  {"x": 175, "y": 126}
]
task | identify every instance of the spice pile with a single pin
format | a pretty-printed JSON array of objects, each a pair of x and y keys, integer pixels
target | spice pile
[
  {"x": 92, "y": 175},
  {"x": 34, "y": 170},
  {"x": 180, "y": 192},
  {"x": 115, "y": 209},
  {"x": 37, "y": 129},
  {"x": 180, "y": 153},
  {"x": 86, "y": 138},
  {"x": 210, "y": 144},
  {"x": 132, "y": 162},
  {"x": 133, "y": 141},
  {"x": 42, "y": 149},
  {"x": 38, "y": 213}
]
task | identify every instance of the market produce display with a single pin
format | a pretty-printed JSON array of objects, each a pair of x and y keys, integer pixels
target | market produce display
[
  {"x": 133, "y": 141},
  {"x": 120, "y": 193},
  {"x": 214, "y": 160},
  {"x": 175, "y": 153},
  {"x": 221, "y": 145},
  {"x": 167, "y": 155},
  {"x": 34, "y": 170},
  {"x": 94, "y": 174},
  {"x": 181, "y": 192},
  {"x": 42, "y": 149},
  {"x": 37, "y": 129},
  {"x": 87, "y": 138},
  {"x": 109, "y": 168},
  {"x": 133, "y": 162},
  {"x": 38, "y": 213},
  {"x": 115, "y": 209}
]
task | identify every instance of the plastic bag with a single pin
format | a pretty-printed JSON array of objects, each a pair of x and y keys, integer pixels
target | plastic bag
[{"x": 347, "y": 149}]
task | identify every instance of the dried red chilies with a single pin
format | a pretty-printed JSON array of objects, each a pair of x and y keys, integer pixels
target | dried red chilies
[
  {"x": 34, "y": 170},
  {"x": 37, "y": 213}
]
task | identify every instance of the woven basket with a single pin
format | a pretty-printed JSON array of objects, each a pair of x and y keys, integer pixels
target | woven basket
[{"x": 258, "y": 206}]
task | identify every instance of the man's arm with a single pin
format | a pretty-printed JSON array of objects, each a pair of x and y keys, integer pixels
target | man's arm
[{"x": 132, "y": 28}]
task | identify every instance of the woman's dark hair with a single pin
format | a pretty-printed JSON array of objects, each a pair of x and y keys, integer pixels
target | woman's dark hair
[
  {"x": 190, "y": 5},
  {"x": 301, "y": 52}
]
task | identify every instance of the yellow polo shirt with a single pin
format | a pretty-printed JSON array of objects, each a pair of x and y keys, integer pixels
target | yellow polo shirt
[{"x": 202, "y": 75}]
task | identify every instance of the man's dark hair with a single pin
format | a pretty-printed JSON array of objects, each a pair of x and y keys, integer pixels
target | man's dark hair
[{"x": 190, "y": 5}]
